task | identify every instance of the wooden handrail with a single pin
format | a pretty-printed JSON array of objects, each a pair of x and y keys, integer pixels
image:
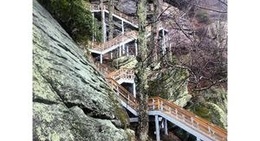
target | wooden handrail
[
  {"x": 124, "y": 94},
  {"x": 169, "y": 108},
  {"x": 116, "y": 12},
  {"x": 188, "y": 118},
  {"x": 115, "y": 41},
  {"x": 122, "y": 73},
  {"x": 157, "y": 103}
]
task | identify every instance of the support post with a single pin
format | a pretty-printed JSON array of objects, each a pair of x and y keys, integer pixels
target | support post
[
  {"x": 117, "y": 90},
  {"x": 103, "y": 23},
  {"x": 134, "y": 90},
  {"x": 127, "y": 50},
  {"x": 157, "y": 128},
  {"x": 119, "y": 51},
  {"x": 123, "y": 46},
  {"x": 165, "y": 127},
  {"x": 163, "y": 42},
  {"x": 198, "y": 139},
  {"x": 122, "y": 27},
  {"x": 101, "y": 58},
  {"x": 136, "y": 48},
  {"x": 111, "y": 55},
  {"x": 93, "y": 17},
  {"x": 170, "y": 52}
]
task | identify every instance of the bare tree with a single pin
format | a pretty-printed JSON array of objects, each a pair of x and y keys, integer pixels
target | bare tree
[
  {"x": 200, "y": 45},
  {"x": 142, "y": 80},
  {"x": 155, "y": 23},
  {"x": 110, "y": 19}
]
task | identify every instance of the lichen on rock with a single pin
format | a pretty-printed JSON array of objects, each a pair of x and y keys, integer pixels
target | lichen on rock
[
  {"x": 129, "y": 62},
  {"x": 71, "y": 99},
  {"x": 171, "y": 84},
  {"x": 212, "y": 106}
]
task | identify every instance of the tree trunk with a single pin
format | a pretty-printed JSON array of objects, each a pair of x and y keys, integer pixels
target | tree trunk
[
  {"x": 154, "y": 44},
  {"x": 142, "y": 129},
  {"x": 110, "y": 19}
]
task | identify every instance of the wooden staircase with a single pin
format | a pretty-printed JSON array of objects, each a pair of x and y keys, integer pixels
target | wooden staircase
[
  {"x": 186, "y": 120},
  {"x": 157, "y": 105},
  {"x": 131, "y": 35},
  {"x": 183, "y": 116}
]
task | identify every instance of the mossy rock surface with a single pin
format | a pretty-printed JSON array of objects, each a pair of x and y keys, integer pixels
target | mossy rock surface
[
  {"x": 212, "y": 105},
  {"x": 129, "y": 62},
  {"x": 71, "y": 99},
  {"x": 171, "y": 84},
  {"x": 211, "y": 112}
]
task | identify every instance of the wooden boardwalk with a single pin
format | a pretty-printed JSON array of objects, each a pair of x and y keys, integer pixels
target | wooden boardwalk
[
  {"x": 166, "y": 109},
  {"x": 186, "y": 120}
]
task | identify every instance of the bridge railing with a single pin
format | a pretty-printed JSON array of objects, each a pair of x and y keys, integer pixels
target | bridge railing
[
  {"x": 124, "y": 95},
  {"x": 169, "y": 108},
  {"x": 122, "y": 73},
  {"x": 188, "y": 118},
  {"x": 155, "y": 103},
  {"x": 115, "y": 41},
  {"x": 131, "y": 19}
]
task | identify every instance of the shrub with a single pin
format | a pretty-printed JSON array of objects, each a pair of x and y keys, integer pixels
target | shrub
[
  {"x": 75, "y": 17},
  {"x": 202, "y": 17}
]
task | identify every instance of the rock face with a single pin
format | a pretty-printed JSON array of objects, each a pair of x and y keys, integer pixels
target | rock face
[
  {"x": 127, "y": 6},
  {"x": 212, "y": 105},
  {"x": 71, "y": 100},
  {"x": 171, "y": 84},
  {"x": 129, "y": 62}
]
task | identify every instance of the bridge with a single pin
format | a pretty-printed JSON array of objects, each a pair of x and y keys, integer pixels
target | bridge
[
  {"x": 161, "y": 109},
  {"x": 126, "y": 40}
]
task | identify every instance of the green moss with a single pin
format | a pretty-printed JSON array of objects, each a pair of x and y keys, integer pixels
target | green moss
[
  {"x": 130, "y": 136},
  {"x": 202, "y": 17},
  {"x": 118, "y": 111},
  {"x": 75, "y": 17},
  {"x": 202, "y": 111},
  {"x": 217, "y": 115},
  {"x": 210, "y": 112},
  {"x": 170, "y": 84}
]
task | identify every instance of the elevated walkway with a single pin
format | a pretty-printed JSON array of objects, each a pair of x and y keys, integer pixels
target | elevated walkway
[
  {"x": 119, "y": 15},
  {"x": 110, "y": 45},
  {"x": 186, "y": 120},
  {"x": 171, "y": 112},
  {"x": 158, "y": 107},
  {"x": 119, "y": 43}
]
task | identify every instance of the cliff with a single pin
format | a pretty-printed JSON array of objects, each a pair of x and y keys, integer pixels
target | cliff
[{"x": 71, "y": 99}]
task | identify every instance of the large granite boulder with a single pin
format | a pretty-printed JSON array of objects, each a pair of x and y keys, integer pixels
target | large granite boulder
[
  {"x": 71, "y": 99},
  {"x": 171, "y": 84},
  {"x": 127, "y": 6},
  {"x": 211, "y": 104}
]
